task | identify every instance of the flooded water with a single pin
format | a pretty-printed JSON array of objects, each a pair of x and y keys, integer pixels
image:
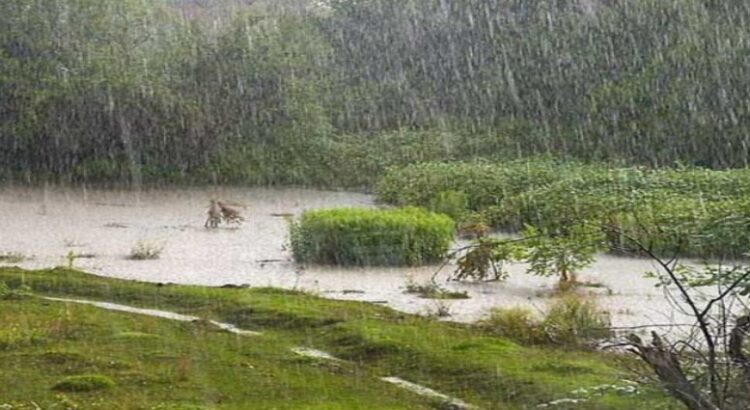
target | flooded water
[{"x": 47, "y": 224}]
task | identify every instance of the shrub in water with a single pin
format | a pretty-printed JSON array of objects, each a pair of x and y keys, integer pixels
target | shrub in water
[
  {"x": 408, "y": 236},
  {"x": 86, "y": 382},
  {"x": 144, "y": 249}
]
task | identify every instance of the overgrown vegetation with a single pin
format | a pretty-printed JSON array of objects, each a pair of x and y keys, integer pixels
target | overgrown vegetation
[
  {"x": 190, "y": 364},
  {"x": 693, "y": 212},
  {"x": 569, "y": 321},
  {"x": 357, "y": 236},
  {"x": 433, "y": 291},
  {"x": 331, "y": 93}
]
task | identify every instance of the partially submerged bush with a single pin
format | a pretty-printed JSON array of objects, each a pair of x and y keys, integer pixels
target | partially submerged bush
[
  {"x": 433, "y": 291},
  {"x": 685, "y": 212},
  {"x": 351, "y": 236},
  {"x": 82, "y": 383},
  {"x": 146, "y": 249},
  {"x": 12, "y": 257}
]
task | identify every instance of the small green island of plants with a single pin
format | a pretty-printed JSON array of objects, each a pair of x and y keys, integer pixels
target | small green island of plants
[{"x": 358, "y": 236}]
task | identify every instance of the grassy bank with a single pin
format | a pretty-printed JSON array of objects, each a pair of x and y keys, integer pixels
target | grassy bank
[{"x": 156, "y": 363}]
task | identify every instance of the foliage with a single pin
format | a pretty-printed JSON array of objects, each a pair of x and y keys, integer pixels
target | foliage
[
  {"x": 451, "y": 203},
  {"x": 515, "y": 323},
  {"x": 485, "y": 258},
  {"x": 686, "y": 211},
  {"x": 561, "y": 253},
  {"x": 126, "y": 90},
  {"x": 146, "y": 249},
  {"x": 573, "y": 320},
  {"x": 407, "y": 236},
  {"x": 483, "y": 183},
  {"x": 84, "y": 383},
  {"x": 569, "y": 321}
]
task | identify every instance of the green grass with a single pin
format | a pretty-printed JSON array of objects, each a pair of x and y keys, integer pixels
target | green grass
[
  {"x": 357, "y": 236},
  {"x": 156, "y": 362},
  {"x": 84, "y": 382}
]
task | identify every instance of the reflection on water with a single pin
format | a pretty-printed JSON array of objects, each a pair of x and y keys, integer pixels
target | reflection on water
[{"x": 48, "y": 224}]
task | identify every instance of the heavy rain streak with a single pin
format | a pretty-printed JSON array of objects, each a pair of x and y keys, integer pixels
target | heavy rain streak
[{"x": 374, "y": 204}]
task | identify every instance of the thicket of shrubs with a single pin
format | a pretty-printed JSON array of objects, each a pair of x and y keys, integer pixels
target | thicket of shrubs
[
  {"x": 355, "y": 236},
  {"x": 691, "y": 212}
]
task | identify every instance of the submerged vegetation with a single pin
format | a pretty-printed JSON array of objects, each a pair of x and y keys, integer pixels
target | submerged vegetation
[
  {"x": 168, "y": 363},
  {"x": 407, "y": 236},
  {"x": 146, "y": 249},
  {"x": 12, "y": 257},
  {"x": 687, "y": 211}
]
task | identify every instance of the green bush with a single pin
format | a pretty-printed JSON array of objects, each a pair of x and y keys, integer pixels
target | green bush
[
  {"x": 516, "y": 323},
  {"x": 573, "y": 320},
  {"x": 352, "y": 236},
  {"x": 82, "y": 383},
  {"x": 570, "y": 321}
]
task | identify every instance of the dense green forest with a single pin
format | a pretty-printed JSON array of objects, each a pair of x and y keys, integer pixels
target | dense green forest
[{"x": 331, "y": 93}]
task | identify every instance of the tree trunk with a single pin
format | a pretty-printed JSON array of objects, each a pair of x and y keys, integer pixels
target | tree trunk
[{"x": 667, "y": 368}]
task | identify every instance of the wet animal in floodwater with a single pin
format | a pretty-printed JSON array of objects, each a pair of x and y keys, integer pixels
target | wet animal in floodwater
[
  {"x": 218, "y": 211},
  {"x": 230, "y": 214},
  {"x": 214, "y": 215}
]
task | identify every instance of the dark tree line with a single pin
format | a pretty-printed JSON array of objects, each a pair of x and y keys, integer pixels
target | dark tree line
[{"x": 98, "y": 89}]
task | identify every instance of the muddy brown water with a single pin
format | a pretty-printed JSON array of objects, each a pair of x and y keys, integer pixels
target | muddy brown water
[{"x": 47, "y": 224}]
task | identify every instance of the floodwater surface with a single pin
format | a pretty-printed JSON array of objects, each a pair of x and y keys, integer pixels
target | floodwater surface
[{"x": 47, "y": 224}]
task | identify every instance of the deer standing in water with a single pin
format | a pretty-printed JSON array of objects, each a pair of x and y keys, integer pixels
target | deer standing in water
[
  {"x": 230, "y": 214},
  {"x": 218, "y": 211},
  {"x": 214, "y": 215}
]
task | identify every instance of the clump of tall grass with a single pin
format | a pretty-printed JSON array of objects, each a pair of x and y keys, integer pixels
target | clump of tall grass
[
  {"x": 517, "y": 323},
  {"x": 352, "y": 236},
  {"x": 146, "y": 249},
  {"x": 573, "y": 320},
  {"x": 569, "y": 321}
]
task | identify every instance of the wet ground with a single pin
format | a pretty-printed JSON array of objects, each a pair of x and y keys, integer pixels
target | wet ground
[{"x": 47, "y": 224}]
